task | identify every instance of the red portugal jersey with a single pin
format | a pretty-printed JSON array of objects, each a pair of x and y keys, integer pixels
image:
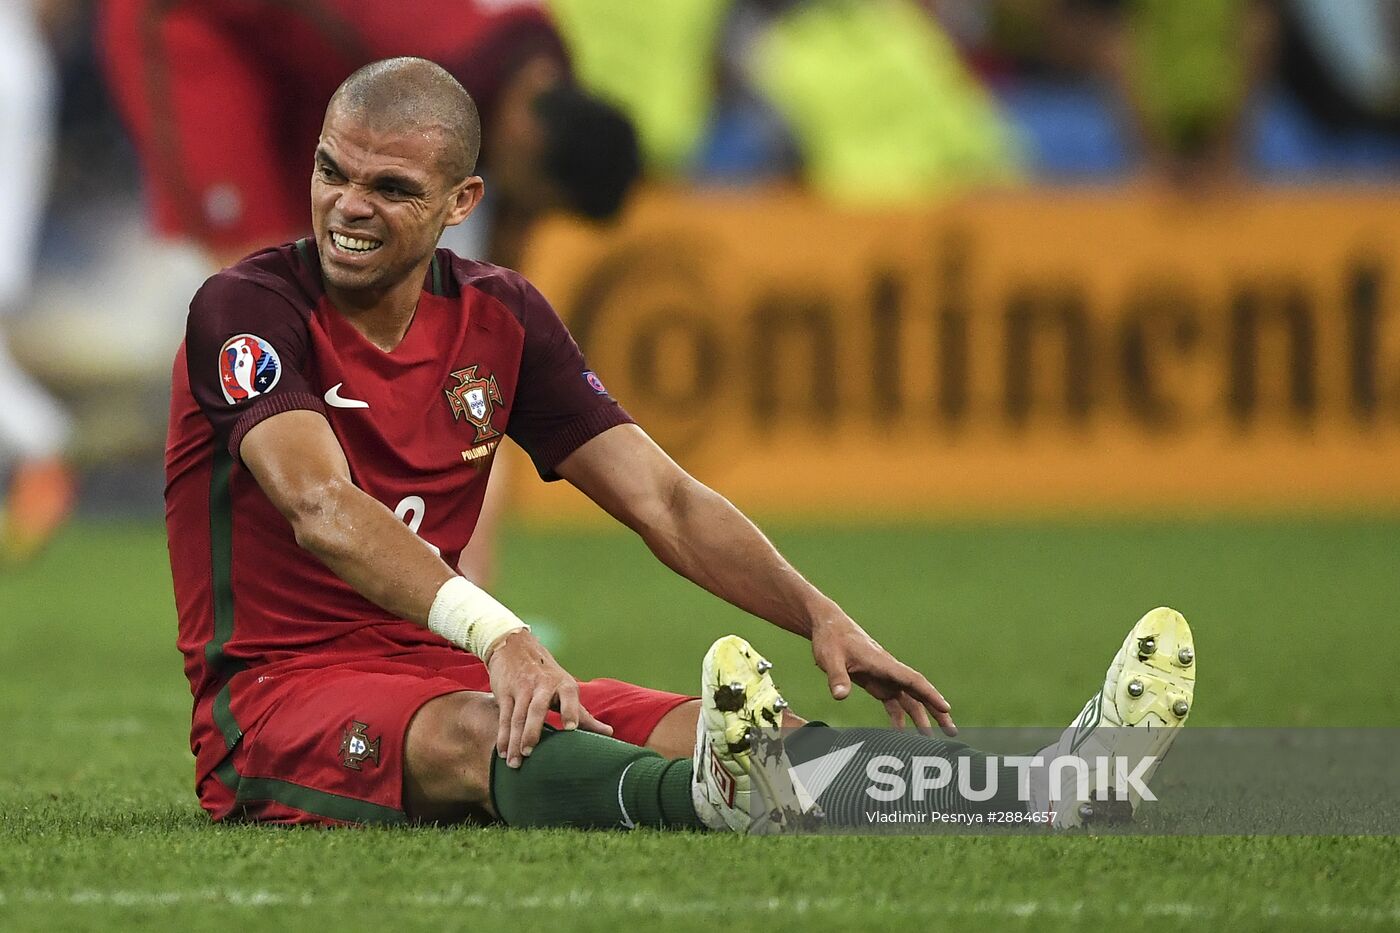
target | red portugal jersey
[{"x": 485, "y": 357}]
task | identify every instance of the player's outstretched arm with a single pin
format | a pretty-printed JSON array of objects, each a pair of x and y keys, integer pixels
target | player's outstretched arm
[
  {"x": 300, "y": 466},
  {"x": 700, "y": 535}
]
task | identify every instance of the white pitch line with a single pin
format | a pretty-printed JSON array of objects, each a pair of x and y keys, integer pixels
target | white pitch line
[{"x": 587, "y": 899}]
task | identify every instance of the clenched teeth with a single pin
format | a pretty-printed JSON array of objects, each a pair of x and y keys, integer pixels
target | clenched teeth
[{"x": 354, "y": 245}]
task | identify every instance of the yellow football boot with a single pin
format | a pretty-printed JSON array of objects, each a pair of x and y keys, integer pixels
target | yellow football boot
[
  {"x": 1146, "y": 698},
  {"x": 742, "y": 777}
]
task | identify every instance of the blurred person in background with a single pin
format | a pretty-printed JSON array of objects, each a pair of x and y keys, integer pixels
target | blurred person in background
[
  {"x": 225, "y": 97},
  {"x": 881, "y": 105},
  {"x": 34, "y": 428},
  {"x": 1184, "y": 74},
  {"x": 656, "y": 60},
  {"x": 865, "y": 101}
]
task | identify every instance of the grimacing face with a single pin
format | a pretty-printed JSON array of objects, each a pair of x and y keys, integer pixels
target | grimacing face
[{"x": 380, "y": 200}]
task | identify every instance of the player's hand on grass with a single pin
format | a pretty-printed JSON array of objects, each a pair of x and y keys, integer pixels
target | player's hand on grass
[
  {"x": 528, "y": 683},
  {"x": 847, "y": 654}
]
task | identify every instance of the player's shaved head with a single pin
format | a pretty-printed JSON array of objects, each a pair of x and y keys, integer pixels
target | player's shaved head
[{"x": 407, "y": 94}]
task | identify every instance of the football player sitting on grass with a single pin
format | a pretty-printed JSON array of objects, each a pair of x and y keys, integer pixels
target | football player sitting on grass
[{"x": 337, "y": 404}]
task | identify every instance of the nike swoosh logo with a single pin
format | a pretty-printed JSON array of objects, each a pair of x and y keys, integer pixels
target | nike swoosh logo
[{"x": 335, "y": 400}]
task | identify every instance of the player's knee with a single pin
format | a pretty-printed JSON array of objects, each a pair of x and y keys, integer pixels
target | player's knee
[{"x": 447, "y": 757}]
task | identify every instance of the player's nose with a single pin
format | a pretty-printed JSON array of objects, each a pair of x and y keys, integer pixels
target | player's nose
[{"x": 352, "y": 204}]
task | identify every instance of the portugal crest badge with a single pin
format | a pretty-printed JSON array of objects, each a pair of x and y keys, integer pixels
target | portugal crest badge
[
  {"x": 356, "y": 746},
  {"x": 474, "y": 399}
]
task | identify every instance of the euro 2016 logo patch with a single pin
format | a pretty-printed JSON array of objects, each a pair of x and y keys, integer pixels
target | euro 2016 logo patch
[
  {"x": 356, "y": 746},
  {"x": 248, "y": 367},
  {"x": 474, "y": 399}
]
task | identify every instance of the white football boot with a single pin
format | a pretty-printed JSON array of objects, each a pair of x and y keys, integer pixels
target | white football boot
[
  {"x": 742, "y": 777},
  {"x": 1146, "y": 697}
]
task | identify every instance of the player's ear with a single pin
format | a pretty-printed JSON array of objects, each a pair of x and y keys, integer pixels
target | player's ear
[{"x": 465, "y": 197}]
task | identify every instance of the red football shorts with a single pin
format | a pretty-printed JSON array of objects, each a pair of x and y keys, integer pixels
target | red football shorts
[{"x": 330, "y": 747}]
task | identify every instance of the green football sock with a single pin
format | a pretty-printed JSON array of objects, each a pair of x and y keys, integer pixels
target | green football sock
[{"x": 590, "y": 781}]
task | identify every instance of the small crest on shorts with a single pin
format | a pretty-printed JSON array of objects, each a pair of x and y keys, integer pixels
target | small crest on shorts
[
  {"x": 356, "y": 746},
  {"x": 474, "y": 399}
]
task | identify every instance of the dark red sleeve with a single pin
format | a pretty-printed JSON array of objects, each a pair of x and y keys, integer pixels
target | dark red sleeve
[
  {"x": 560, "y": 403},
  {"x": 246, "y": 348}
]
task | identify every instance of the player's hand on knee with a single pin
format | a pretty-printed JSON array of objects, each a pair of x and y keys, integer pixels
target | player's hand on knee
[
  {"x": 528, "y": 683},
  {"x": 847, "y": 654}
]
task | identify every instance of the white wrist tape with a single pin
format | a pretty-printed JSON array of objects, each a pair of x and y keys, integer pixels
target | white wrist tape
[{"x": 471, "y": 618}]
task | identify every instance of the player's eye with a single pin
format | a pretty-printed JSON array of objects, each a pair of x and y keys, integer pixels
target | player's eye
[{"x": 327, "y": 173}]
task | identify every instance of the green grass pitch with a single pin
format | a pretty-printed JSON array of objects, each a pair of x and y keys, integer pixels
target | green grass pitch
[{"x": 1295, "y": 620}]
